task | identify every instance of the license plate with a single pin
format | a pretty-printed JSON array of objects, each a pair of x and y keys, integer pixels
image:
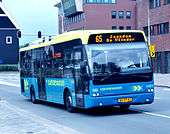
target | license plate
[{"x": 125, "y": 100}]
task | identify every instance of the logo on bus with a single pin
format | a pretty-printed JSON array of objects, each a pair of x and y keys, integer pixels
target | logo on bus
[
  {"x": 137, "y": 88},
  {"x": 55, "y": 82}
]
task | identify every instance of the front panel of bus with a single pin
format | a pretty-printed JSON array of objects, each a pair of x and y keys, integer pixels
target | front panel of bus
[{"x": 121, "y": 72}]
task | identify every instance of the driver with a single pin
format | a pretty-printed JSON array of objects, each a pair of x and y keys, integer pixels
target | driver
[{"x": 125, "y": 62}]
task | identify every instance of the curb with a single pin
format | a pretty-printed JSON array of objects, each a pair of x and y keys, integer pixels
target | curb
[{"x": 162, "y": 86}]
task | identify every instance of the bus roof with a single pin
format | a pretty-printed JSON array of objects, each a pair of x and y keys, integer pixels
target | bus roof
[{"x": 80, "y": 34}]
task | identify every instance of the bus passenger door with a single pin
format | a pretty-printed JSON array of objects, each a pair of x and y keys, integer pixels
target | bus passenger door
[
  {"x": 41, "y": 84},
  {"x": 78, "y": 58},
  {"x": 39, "y": 70}
]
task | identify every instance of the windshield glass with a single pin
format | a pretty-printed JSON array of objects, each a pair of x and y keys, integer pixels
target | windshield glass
[{"x": 118, "y": 58}]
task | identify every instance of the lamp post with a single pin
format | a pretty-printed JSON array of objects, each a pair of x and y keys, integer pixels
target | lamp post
[
  {"x": 62, "y": 18},
  {"x": 149, "y": 30}
]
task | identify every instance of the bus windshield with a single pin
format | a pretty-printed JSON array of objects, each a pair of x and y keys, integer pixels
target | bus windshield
[{"x": 121, "y": 58}]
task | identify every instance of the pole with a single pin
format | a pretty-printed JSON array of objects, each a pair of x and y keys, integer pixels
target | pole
[
  {"x": 149, "y": 31},
  {"x": 62, "y": 18}
]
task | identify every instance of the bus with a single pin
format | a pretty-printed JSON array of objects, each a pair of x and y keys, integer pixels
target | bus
[{"x": 89, "y": 68}]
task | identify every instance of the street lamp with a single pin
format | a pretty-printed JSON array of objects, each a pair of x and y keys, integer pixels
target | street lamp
[
  {"x": 149, "y": 31},
  {"x": 62, "y": 17}
]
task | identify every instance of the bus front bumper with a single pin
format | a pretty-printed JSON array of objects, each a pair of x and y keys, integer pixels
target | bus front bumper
[{"x": 135, "y": 99}]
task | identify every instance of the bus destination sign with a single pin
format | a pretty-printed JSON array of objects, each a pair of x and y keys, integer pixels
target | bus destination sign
[{"x": 115, "y": 38}]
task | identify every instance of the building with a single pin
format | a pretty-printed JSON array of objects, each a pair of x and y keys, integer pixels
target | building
[
  {"x": 159, "y": 14},
  {"x": 122, "y": 14},
  {"x": 96, "y": 14},
  {"x": 9, "y": 42}
]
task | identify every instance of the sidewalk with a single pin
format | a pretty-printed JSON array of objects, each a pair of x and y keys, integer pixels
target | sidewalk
[
  {"x": 14, "y": 120},
  {"x": 162, "y": 80}
]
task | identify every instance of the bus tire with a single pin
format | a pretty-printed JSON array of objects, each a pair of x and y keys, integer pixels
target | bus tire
[
  {"x": 124, "y": 107},
  {"x": 68, "y": 102},
  {"x": 32, "y": 96}
]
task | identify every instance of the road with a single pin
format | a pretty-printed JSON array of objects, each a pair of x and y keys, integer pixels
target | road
[{"x": 150, "y": 119}]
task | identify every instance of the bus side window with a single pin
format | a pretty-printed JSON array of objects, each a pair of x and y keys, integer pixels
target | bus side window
[
  {"x": 26, "y": 63},
  {"x": 78, "y": 56},
  {"x": 57, "y": 64},
  {"x": 22, "y": 63},
  {"x": 77, "y": 60},
  {"x": 46, "y": 62},
  {"x": 68, "y": 63}
]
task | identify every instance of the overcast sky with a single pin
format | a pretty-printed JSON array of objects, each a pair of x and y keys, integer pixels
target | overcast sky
[{"x": 34, "y": 15}]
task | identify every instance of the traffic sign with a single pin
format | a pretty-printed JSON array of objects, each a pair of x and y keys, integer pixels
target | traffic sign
[{"x": 152, "y": 50}]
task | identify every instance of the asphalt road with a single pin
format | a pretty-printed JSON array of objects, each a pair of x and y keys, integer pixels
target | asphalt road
[{"x": 142, "y": 119}]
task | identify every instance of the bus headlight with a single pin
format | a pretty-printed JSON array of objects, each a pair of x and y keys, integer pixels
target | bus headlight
[
  {"x": 86, "y": 87},
  {"x": 150, "y": 90},
  {"x": 94, "y": 94},
  {"x": 97, "y": 94}
]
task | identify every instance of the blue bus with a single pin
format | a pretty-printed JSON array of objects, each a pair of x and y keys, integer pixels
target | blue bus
[{"x": 89, "y": 68}]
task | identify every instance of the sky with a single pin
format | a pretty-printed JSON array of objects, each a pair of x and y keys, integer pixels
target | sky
[{"x": 33, "y": 16}]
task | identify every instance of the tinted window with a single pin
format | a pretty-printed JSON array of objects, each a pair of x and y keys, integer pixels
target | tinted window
[
  {"x": 121, "y": 14},
  {"x": 114, "y": 14}
]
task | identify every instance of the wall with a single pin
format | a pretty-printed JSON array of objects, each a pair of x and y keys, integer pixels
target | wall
[{"x": 9, "y": 53}]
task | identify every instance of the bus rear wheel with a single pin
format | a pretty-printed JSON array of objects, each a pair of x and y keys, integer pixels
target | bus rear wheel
[
  {"x": 32, "y": 96},
  {"x": 68, "y": 102}
]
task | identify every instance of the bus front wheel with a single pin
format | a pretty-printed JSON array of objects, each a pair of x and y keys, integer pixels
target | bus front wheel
[{"x": 68, "y": 102}]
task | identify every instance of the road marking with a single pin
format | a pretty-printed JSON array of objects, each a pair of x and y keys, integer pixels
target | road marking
[
  {"x": 152, "y": 114},
  {"x": 157, "y": 98},
  {"x": 157, "y": 115},
  {"x": 9, "y": 84},
  {"x": 166, "y": 89}
]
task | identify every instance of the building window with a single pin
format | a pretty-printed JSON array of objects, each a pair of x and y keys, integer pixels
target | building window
[
  {"x": 8, "y": 39},
  {"x": 167, "y": 54},
  {"x": 121, "y": 27},
  {"x": 114, "y": 14},
  {"x": 145, "y": 29},
  {"x": 114, "y": 27},
  {"x": 112, "y": 1},
  {"x": 121, "y": 14},
  {"x": 166, "y": 2},
  {"x": 101, "y": 1},
  {"x": 154, "y": 3},
  {"x": 128, "y": 27},
  {"x": 162, "y": 28},
  {"x": 152, "y": 30},
  {"x": 128, "y": 15},
  {"x": 166, "y": 27}
]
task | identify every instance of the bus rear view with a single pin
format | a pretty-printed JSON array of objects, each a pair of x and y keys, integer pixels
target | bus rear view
[{"x": 120, "y": 70}]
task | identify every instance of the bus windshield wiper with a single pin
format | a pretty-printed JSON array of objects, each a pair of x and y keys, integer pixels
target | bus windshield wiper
[{"x": 113, "y": 73}]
